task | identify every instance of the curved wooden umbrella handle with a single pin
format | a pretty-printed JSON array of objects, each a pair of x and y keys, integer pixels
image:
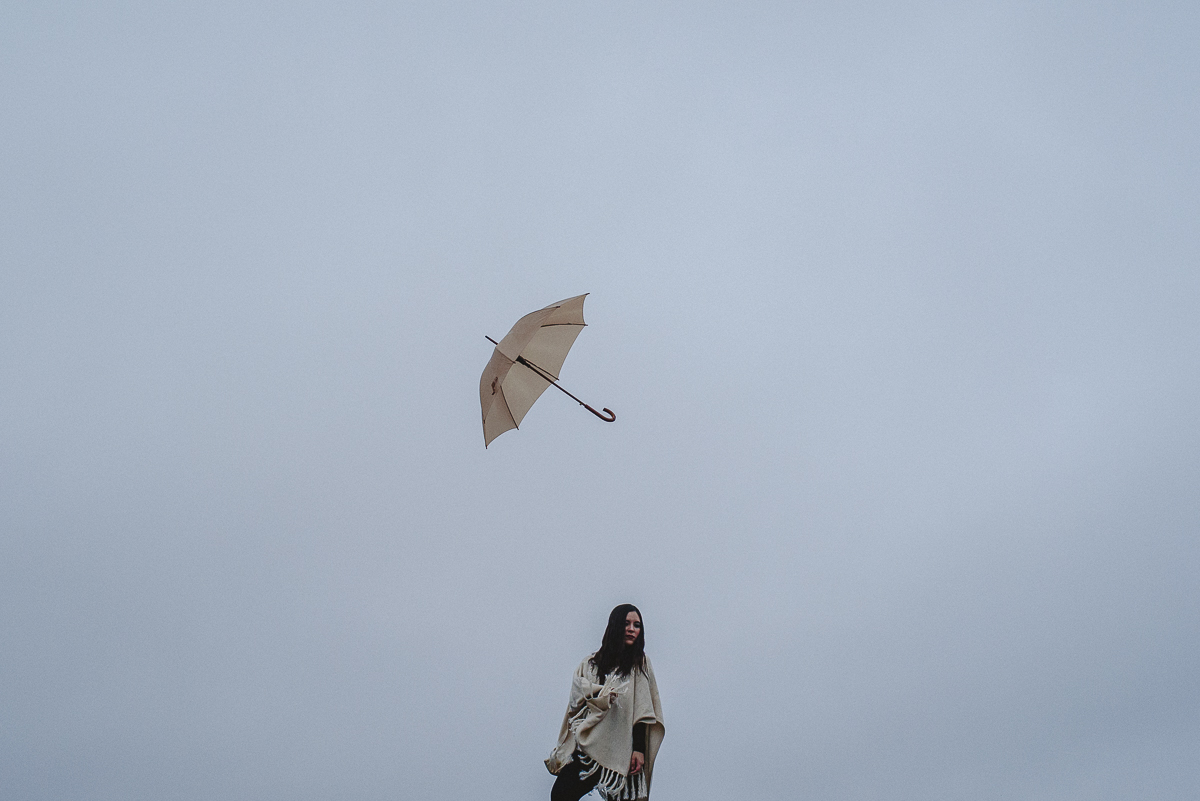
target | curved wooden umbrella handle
[{"x": 611, "y": 414}]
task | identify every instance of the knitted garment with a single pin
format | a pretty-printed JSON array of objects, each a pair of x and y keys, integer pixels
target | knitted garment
[{"x": 599, "y": 725}]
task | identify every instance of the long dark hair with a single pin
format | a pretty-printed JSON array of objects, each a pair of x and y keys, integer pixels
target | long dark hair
[{"x": 614, "y": 655}]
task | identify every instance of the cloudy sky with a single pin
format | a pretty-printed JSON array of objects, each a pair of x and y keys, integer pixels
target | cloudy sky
[{"x": 898, "y": 306}]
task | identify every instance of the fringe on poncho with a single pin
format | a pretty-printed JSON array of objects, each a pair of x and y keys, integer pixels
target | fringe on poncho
[{"x": 601, "y": 732}]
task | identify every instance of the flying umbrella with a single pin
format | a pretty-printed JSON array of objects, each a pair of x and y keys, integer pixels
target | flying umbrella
[{"x": 526, "y": 362}]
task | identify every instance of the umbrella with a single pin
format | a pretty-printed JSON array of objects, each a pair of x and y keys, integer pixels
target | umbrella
[{"x": 526, "y": 362}]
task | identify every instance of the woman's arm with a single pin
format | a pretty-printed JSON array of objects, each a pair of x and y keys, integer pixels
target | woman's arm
[
  {"x": 639, "y": 736},
  {"x": 638, "y": 758}
]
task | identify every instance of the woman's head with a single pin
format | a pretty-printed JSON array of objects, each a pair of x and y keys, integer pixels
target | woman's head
[
  {"x": 633, "y": 626},
  {"x": 624, "y": 645}
]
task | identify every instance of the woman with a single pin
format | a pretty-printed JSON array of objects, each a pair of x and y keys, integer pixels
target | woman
[{"x": 613, "y": 726}]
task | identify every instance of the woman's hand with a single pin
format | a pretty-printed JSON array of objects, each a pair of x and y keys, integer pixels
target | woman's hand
[{"x": 635, "y": 763}]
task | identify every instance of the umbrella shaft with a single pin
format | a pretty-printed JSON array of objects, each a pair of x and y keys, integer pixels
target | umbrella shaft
[
  {"x": 548, "y": 377},
  {"x": 545, "y": 375}
]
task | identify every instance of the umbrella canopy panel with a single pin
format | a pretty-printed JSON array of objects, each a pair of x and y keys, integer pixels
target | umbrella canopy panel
[{"x": 508, "y": 388}]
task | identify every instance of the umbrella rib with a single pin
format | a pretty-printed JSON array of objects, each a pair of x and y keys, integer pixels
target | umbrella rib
[
  {"x": 508, "y": 409},
  {"x": 543, "y": 373}
]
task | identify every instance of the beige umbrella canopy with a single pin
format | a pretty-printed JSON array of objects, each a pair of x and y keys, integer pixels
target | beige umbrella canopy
[{"x": 526, "y": 362}]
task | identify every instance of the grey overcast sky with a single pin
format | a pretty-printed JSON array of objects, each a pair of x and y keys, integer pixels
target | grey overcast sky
[{"x": 898, "y": 305}]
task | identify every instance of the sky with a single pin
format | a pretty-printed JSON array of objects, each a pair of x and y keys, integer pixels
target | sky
[{"x": 897, "y": 305}]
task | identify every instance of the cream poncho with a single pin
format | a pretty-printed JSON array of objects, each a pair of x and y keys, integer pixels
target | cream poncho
[{"x": 599, "y": 723}]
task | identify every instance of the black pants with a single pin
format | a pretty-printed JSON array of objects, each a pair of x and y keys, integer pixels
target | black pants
[{"x": 569, "y": 787}]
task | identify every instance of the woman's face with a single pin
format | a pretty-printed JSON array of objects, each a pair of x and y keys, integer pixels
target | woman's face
[{"x": 633, "y": 627}]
